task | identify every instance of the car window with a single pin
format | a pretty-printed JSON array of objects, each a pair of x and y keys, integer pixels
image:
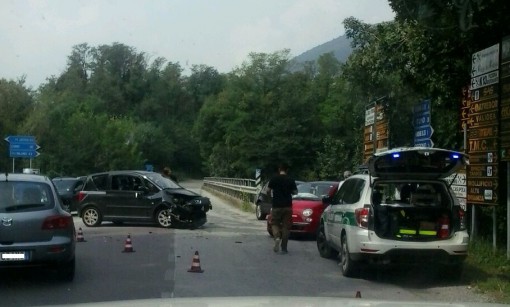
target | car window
[
  {"x": 25, "y": 196},
  {"x": 63, "y": 185},
  {"x": 97, "y": 182},
  {"x": 348, "y": 185},
  {"x": 151, "y": 187},
  {"x": 162, "y": 182},
  {"x": 353, "y": 195}
]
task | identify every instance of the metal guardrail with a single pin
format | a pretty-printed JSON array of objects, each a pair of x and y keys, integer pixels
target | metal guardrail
[{"x": 242, "y": 189}]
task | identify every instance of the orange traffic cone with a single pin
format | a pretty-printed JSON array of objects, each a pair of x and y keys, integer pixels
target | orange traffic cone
[
  {"x": 128, "y": 247},
  {"x": 195, "y": 265},
  {"x": 79, "y": 236},
  {"x": 358, "y": 294}
]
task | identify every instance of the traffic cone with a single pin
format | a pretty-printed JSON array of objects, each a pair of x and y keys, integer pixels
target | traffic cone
[
  {"x": 358, "y": 294},
  {"x": 195, "y": 265},
  {"x": 128, "y": 247},
  {"x": 79, "y": 236}
]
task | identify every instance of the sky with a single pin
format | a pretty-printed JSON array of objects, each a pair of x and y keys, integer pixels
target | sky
[{"x": 37, "y": 36}]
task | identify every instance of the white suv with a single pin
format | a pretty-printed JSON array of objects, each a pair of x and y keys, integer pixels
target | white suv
[{"x": 400, "y": 211}]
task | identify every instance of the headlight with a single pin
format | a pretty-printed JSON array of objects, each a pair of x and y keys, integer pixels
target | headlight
[
  {"x": 197, "y": 201},
  {"x": 307, "y": 212}
]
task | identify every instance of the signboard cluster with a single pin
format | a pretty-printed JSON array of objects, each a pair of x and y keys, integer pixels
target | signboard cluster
[
  {"x": 505, "y": 101},
  {"x": 22, "y": 146},
  {"x": 480, "y": 115},
  {"x": 376, "y": 130}
]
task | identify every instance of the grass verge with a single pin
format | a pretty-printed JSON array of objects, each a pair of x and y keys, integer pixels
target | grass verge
[{"x": 488, "y": 271}]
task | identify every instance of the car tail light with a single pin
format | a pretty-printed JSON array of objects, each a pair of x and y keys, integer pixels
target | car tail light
[
  {"x": 444, "y": 227},
  {"x": 462, "y": 219},
  {"x": 57, "y": 222},
  {"x": 80, "y": 196},
  {"x": 362, "y": 217}
]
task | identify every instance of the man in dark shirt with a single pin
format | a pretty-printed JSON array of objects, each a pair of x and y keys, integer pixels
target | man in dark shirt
[{"x": 283, "y": 187}]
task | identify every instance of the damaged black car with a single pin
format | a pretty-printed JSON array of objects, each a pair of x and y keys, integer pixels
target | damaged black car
[{"x": 140, "y": 196}]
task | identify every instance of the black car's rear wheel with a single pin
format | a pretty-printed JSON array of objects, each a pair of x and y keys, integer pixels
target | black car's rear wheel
[
  {"x": 164, "y": 217},
  {"x": 258, "y": 212},
  {"x": 91, "y": 217}
]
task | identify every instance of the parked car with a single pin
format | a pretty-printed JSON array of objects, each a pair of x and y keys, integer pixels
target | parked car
[
  {"x": 263, "y": 201},
  {"x": 140, "y": 196},
  {"x": 402, "y": 211},
  {"x": 307, "y": 206},
  {"x": 68, "y": 188},
  {"x": 34, "y": 229}
]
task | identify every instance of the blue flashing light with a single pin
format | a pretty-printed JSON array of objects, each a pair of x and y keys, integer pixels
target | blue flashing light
[
  {"x": 455, "y": 156},
  {"x": 396, "y": 155}
]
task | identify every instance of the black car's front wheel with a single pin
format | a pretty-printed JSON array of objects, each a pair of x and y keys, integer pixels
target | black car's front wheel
[
  {"x": 91, "y": 217},
  {"x": 164, "y": 217}
]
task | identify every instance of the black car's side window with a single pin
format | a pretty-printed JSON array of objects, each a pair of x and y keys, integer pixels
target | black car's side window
[
  {"x": 150, "y": 186},
  {"x": 120, "y": 183},
  {"x": 97, "y": 183}
]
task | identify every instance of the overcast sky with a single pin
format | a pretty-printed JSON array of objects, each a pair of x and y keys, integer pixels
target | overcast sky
[{"x": 36, "y": 37}]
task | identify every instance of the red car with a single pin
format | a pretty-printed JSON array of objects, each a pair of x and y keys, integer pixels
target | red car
[{"x": 308, "y": 205}]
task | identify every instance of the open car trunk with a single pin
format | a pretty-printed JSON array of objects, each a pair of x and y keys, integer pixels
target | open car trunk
[{"x": 412, "y": 211}]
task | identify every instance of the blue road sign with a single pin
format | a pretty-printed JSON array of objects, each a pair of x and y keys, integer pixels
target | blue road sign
[
  {"x": 22, "y": 146},
  {"x": 422, "y": 129},
  {"x": 422, "y": 107},
  {"x": 23, "y": 153},
  {"x": 424, "y": 143},
  {"x": 422, "y": 119},
  {"x": 16, "y": 139},
  {"x": 424, "y": 132}
]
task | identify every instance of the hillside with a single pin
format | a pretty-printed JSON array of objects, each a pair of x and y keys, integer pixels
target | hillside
[{"x": 340, "y": 47}]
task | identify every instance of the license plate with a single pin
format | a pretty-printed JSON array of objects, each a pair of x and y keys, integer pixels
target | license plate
[{"x": 13, "y": 256}]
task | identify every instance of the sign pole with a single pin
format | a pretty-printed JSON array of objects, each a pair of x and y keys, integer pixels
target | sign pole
[{"x": 13, "y": 165}]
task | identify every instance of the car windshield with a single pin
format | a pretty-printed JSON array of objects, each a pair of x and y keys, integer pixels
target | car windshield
[{"x": 318, "y": 189}]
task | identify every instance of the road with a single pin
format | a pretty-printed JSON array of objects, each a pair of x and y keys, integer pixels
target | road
[{"x": 235, "y": 254}]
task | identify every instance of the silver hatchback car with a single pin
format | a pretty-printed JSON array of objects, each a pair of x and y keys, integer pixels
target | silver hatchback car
[{"x": 34, "y": 229}]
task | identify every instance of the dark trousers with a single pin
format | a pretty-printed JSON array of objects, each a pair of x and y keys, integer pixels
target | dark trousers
[{"x": 281, "y": 223}]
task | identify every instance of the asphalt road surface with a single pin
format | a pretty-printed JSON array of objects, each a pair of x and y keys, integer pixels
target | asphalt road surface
[{"x": 235, "y": 255}]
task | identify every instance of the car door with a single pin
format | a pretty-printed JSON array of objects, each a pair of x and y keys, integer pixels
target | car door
[
  {"x": 343, "y": 205},
  {"x": 126, "y": 197},
  {"x": 334, "y": 215}
]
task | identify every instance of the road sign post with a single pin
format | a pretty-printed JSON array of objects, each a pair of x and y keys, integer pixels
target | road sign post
[{"x": 22, "y": 146}]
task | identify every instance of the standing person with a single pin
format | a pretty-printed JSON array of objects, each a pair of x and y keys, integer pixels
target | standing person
[
  {"x": 167, "y": 172},
  {"x": 282, "y": 187}
]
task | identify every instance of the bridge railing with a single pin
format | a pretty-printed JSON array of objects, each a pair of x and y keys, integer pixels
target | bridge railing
[{"x": 242, "y": 189}]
